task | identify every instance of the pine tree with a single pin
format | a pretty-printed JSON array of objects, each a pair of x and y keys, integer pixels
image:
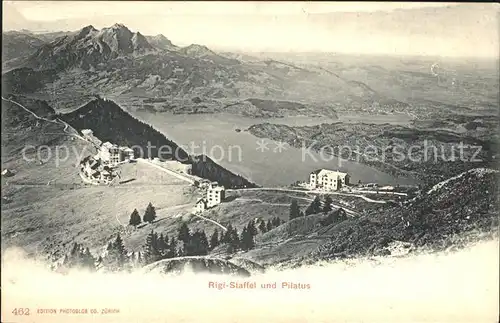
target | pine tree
[
  {"x": 226, "y": 236},
  {"x": 262, "y": 226},
  {"x": 191, "y": 247},
  {"x": 294, "y": 210},
  {"x": 79, "y": 257},
  {"x": 135, "y": 218},
  {"x": 172, "y": 250},
  {"x": 150, "y": 213},
  {"x": 118, "y": 251},
  {"x": 88, "y": 259},
  {"x": 75, "y": 250},
  {"x": 251, "y": 228},
  {"x": 161, "y": 246},
  {"x": 276, "y": 222},
  {"x": 65, "y": 261},
  {"x": 234, "y": 239},
  {"x": 316, "y": 204},
  {"x": 183, "y": 233},
  {"x": 328, "y": 204},
  {"x": 204, "y": 246},
  {"x": 118, "y": 245},
  {"x": 214, "y": 239},
  {"x": 314, "y": 207},
  {"x": 197, "y": 245},
  {"x": 151, "y": 253},
  {"x": 251, "y": 242},
  {"x": 246, "y": 240},
  {"x": 269, "y": 225},
  {"x": 342, "y": 214},
  {"x": 139, "y": 260},
  {"x": 167, "y": 241}
]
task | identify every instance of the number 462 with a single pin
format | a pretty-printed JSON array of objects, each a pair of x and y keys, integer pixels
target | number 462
[{"x": 21, "y": 311}]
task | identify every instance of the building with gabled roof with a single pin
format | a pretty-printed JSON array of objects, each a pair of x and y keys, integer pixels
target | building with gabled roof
[
  {"x": 328, "y": 179},
  {"x": 201, "y": 205}
]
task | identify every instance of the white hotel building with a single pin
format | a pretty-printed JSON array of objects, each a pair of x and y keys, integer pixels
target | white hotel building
[{"x": 328, "y": 180}]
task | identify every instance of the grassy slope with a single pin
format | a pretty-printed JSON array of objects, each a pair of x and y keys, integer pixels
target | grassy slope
[
  {"x": 454, "y": 212},
  {"x": 48, "y": 219}
]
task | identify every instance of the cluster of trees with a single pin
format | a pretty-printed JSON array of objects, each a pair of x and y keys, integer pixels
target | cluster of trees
[
  {"x": 117, "y": 255},
  {"x": 79, "y": 257},
  {"x": 272, "y": 223},
  {"x": 149, "y": 216},
  {"x": 186, "y": 243},
  {"x": 158, "y": 248},
  {"x": 316, "y": 206},
  {"x": 245, "y": 240},
  {"x": 197, "y": 243}
]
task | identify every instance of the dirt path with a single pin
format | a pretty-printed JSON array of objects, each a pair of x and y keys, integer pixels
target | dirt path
[
  {"x": 367, "y": 199},
  {"x": 56, "y": 121},
  {"x": 210, "y": 220}
]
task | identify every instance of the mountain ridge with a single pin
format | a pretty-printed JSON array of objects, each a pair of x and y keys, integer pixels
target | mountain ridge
[
  {"x": 120, "y": 58},
  {"x": 89, "y": 47}
]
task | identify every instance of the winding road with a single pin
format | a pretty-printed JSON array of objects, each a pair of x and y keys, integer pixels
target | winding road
[
  {"x": 210, "y": 220},
  {"x": 56, "y": 121},
  {"x": 338, "y": 206},
  {"x": 367, "y": 199}
]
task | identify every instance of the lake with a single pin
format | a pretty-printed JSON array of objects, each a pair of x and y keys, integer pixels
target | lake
[{"x": 215, "y": 135}]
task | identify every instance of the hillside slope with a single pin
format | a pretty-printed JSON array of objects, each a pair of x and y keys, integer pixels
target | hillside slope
[
  {"x": 111, "y": 123},
  {"x": 465, "y": 203},
  {"x": 454, "y": 212},
  {"x": 45, "y": 205},
  {"x": 17, "y": 45}
]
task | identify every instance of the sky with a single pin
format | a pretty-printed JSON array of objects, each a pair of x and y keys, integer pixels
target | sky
[{"x": 438, "y": 29}]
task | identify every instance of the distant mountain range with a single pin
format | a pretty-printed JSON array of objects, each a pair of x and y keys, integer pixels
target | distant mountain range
[
  {"x": 152, "y": 73},
  {"x": 115, "y": 62}
]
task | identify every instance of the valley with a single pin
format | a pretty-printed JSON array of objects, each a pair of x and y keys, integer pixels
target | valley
[{"x": 256, "y": 127}]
